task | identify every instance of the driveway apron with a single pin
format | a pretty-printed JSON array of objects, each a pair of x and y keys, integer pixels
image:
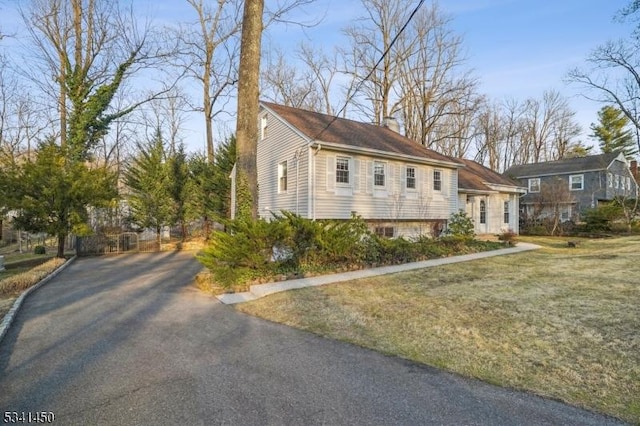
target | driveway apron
[{"x": 129, "y": 340}]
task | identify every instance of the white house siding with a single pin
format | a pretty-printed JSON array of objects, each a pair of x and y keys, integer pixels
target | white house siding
[
  {"x": 394, "y": 202},
  {"x": 495, "y": 212},
  {"x": 282, "y": 144}
]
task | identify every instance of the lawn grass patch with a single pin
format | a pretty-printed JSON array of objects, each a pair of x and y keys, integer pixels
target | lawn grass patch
[{"x": 561, "y": 322}]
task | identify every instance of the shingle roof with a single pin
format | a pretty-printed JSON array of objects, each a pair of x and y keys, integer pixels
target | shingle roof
[
  {"x": 353, "y": 133},
  {"x": 475, "y": 176},
  {"x": 568, "y": 165}
]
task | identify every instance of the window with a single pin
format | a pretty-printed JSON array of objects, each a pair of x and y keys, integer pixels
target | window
[
  {"x": 628, "y": 183},
  {"x": 378, "y": 173},
  {"x": 437, "y": 180},
  {"x": 282, "y": 177},
  {"x": 576, "y": 182},
  {"x": 610, "y": 180},
  {"x": 506, "y": 212},
  {"x": 534, "y": 185},
  {"x": 384, "y": 231},
  {"x": 483, "y": 212},
  {"x": 342, "y": 170},
  {"x": 411, "y": 178},
  {"x": 565, "y": 214},
  {"x": 263, "y": 127},
  {"x": 616, "y": 181}
]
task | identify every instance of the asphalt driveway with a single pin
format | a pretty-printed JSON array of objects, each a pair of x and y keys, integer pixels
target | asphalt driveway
[{"x": 128, "y": 340}]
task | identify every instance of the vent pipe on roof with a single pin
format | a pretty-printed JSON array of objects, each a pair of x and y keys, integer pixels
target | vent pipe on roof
[{"x": 391, "y": 123}]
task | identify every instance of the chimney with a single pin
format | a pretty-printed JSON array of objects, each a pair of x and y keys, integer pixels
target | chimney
[
  {"x": 391, "y": 124},
  {"x": 634, "y": 169}
]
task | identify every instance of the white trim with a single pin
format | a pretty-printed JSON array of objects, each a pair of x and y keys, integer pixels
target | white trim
[
  {"x": 571, "y": 188},
  {"x": 386, "y": 154},
  {"x": 530, "y": 181}
]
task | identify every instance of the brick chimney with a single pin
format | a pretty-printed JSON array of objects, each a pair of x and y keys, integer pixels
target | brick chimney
[{"x": 634, "y": 169}]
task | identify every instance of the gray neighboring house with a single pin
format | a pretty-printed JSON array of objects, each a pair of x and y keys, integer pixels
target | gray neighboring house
[{"x": 591, "y": 180}]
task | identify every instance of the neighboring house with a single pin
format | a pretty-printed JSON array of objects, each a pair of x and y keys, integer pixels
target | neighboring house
[
  {"x": 587, "y": 181},
  {"x": 489, "y": 199},
  {"x": 324, "y": 167}
]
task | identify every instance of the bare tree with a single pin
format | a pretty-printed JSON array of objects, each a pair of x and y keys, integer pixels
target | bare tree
[
  {"x": 89, "y": 47},
  {"x": 553, "y": 197},
  {"x": 289, "y": 85},
  {"x": 437, "y": 94},
  {"x": 370, "y": 38},
  {"x": 210, "y": 56}
]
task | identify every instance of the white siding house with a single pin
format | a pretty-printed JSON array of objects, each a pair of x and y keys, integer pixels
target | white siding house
[
  {"x": 322, "y": 167},
  {"x": 489, "y": 199}
]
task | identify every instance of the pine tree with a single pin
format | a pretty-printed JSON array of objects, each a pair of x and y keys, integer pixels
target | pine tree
[
  {"x": 613, "y": 133},
  {"x": 179, "y": 188},
  {"x": 211, "y": 183},
  {"x": 147, "y": 177}
]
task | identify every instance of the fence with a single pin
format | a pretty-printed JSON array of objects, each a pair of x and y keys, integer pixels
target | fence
[{"x": 126, "y": 242}]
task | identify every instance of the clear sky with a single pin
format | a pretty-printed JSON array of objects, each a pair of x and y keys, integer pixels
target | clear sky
[{"x": 518, "y": 48}]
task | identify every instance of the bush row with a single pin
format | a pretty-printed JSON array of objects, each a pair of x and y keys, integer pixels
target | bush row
[{"x": 291, "y": 246}]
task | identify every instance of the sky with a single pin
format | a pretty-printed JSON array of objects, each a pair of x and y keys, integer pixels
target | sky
[{"x": 517, "y": 48}]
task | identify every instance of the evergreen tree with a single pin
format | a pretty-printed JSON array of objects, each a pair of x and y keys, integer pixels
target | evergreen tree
[
  {"x": 52, "y": 194},
  {"x": 613, "y": 133},
  {"x": 149, "y": 197},
  {"x": 179, "y": 187},
  {"x": 212, "y": 185}
]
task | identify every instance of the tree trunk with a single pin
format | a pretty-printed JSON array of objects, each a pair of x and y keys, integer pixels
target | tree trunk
[
  {"x": 248, "y": 102},
  {"x": 61, "y": 240}
]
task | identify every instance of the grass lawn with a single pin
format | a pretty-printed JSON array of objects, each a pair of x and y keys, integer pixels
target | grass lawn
[
  {"x": 22, "y": 271},
  {"x": 560, "y": 322}
]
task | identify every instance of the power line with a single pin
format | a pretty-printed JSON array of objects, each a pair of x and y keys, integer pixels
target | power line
[{"x": 384, "y": 54}]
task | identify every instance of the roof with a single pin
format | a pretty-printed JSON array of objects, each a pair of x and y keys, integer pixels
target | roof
[
  {"x": 567, "y": 165},
  {"x": 475, "y": 176},
  {"x": 349, "y": 133}
]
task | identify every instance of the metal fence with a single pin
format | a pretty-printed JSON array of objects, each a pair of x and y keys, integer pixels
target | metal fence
[{"x": 126, "y": 242}]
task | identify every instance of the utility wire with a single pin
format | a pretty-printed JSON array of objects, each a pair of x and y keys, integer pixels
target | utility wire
[{"x": 386, "y": 52}]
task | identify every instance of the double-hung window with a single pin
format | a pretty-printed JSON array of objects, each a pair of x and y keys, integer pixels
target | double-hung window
[
  {"x": 506, "y": 212},
  {"x": 483, "y": 211},
  {"x": 534, "y": 185},
  {"x": 411, "y": 177},
  {"x": 342, "y": 170},
  {"x": 378, "y": 173},
  {"x": 576, "y": 182},
  {"x": 437, "y": 180},
  {"x": 282, "y": 177}
]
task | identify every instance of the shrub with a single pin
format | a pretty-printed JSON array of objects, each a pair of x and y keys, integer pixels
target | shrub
[
  {"x": 39, "y": 250},
  {"x": 460, "y": 226},
  {"x": 508, "y": 236},
  {"x": 600, "y": 218}
]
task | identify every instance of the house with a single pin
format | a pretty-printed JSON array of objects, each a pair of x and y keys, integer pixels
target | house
[
  {"x": 579, "y": 183},
  {"x": 489, "y": 199},
  {"x": 325, "y": 167}
]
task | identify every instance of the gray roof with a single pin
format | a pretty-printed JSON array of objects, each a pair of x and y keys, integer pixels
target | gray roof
[{"x": 565, "y": 166}]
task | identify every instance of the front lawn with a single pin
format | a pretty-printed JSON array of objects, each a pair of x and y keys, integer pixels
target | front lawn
[{"x": 561, "y": 322}]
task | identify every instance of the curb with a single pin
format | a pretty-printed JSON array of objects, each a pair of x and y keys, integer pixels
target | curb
[
  {"x": 261, "y": 290},
  {"x": 8, "y": 318}
]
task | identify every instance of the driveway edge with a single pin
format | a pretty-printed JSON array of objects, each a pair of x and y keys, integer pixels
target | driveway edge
[
  {"x": 262, "y": 290},
  {"x": 8, "y": 318}
]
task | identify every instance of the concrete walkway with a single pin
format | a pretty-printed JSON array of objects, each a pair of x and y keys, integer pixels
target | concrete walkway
[{"x": 261, "y": 290}]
